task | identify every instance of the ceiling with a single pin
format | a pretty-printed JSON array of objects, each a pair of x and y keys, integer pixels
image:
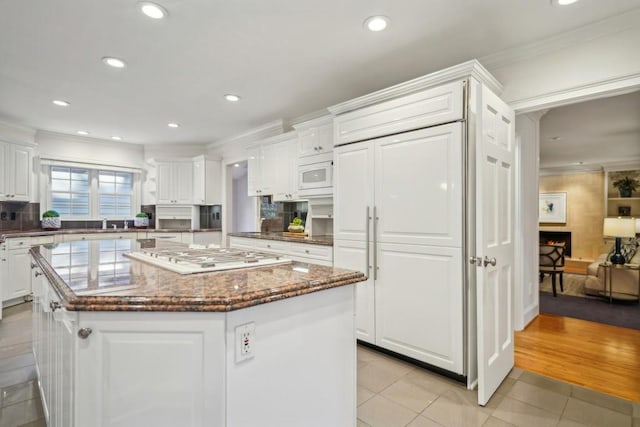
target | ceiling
[
  {"x": 285, "y": 58},
  {"x": 591, "y": 135}
]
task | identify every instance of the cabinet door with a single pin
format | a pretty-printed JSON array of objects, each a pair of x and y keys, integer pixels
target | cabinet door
[
  {"x": 20, "y": 169},
  {"x": 254, "y": 171},
  {"x": 183, "y": 183},
  {"x": 18, "y": 283},
  {"x": 4, "y": 173},
  {"x": 271, "y": 156},
  {"x": 315, "y": 140},
  {"x": 353, "y": 255},
  {"x": 353, "y": 191},
  {"x": 418, "y": 187},
  {"x": 280, "y": 171},
  {"x": 419, "y": 303},
  {"x": 293, "y": 171},
  {"x": 164, "y": 183}
]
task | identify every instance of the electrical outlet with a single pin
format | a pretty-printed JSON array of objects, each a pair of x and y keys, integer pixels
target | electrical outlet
[{"x": 245, "y": 341}]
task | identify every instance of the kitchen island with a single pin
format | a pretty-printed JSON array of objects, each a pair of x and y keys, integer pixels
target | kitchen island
[{"x": 122, "y": 342}]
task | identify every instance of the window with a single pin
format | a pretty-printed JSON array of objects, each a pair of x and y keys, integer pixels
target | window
[
  {"x": 115, "y": 193},
  {"x": 70, "y": 191},
  {"x": 83, "y": 193}
]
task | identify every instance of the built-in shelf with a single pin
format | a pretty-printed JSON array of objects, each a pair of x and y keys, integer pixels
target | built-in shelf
[
  {"x": 620, "y": 206},
  {"x": 623, "y": 198}
]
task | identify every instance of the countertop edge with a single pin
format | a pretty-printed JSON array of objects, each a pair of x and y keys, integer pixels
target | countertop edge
[
  {"x": 311, "y": 240},
  {"x": 35, "y": 233},
  {"x": 72, "y": 302}
]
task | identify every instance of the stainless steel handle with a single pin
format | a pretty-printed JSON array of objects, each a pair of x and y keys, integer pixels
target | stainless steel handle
[
  {"x": 475, "y": 260},
  {"x": 33, "y": 266},
  {"x": 306, "y": 251},
  {"x": 488, "y": 261},
  {"x": 84, "y": 333},
  {"x": 375, "y": 244},
  {"x": 37, "y": 273},
  {"x": 54, "y": 305},
  {"x": 366, "y": 239}
]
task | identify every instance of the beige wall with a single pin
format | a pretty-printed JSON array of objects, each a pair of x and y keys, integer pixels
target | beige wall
[{"x": 585, "y": 211}]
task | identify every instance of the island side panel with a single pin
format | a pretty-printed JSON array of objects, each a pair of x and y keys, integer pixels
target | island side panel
[
  {"x": 303, "y": 369},
  {"x": 151, "y": 369}
]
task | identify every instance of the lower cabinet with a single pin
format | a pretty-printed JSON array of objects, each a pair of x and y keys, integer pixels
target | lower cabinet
[
  {"x": 303, "y": 252},
  {"x": 121, "y": 368}
]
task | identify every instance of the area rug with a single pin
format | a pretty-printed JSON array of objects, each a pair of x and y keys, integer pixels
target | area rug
[
  {"x": 618, "y": 313},
  {"x": 573, "y": 285}
]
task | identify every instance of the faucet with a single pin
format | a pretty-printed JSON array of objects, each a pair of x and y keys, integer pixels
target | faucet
[
  {"x": 114, "y": 226},
  {"x": 126, "y": 224}
]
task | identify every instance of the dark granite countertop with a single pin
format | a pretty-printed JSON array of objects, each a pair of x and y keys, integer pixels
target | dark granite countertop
[
  {"x": 315, "y": 240},
  {"x": 39, "y": 232},
  {"x": 132, "y": 285}
]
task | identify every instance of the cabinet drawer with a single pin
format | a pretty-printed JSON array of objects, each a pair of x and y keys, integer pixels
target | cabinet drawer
[
  {"x": 269, "y": 246},
  {"x": 167, "y": 237},
  {"x": 311, "y": 251},
  {"x": 427, "y": 108},
  {"x": 19, "y": 242},
  {"x": 173, "y": 212}
]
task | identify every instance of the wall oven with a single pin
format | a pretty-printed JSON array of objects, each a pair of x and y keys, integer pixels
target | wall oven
[{"x": 315, "y": 178}]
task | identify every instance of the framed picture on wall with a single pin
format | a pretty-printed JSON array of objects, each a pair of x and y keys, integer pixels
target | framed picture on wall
[
  {"x": 552, "y": 208},
  {"x": 624, "y": 210}
]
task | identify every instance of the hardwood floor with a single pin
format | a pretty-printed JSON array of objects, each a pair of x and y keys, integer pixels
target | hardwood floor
[{"x": 596, "y": 356}]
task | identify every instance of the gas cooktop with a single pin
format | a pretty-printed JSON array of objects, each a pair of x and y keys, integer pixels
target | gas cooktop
[{"x": 199, "y": 260}]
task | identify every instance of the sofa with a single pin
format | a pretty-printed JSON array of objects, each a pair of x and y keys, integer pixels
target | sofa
[{"x": 624, "y": 281}]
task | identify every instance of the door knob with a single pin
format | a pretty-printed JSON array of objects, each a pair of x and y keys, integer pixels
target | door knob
[
  {"x": 488, "y": 261},
  {"x": 84, "y": 333}
]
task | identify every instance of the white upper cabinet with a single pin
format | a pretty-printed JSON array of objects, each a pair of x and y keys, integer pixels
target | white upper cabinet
[
  {"x": 429, "y": 107},
  {"x": 15, "y": 173},
  {"x": 207, "y": 186},
  {"x": 270, "y": 168},
  {"x": 175, "y": 183},
  {"x": 315, "y": 137}
]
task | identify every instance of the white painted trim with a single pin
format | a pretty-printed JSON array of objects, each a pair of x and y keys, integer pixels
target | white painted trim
[
  {"x": 564, "y": 40},
  {"x": 605, "y": 88},
  {"x": 69, "y": 162},
  {"x": 530, "y": 313},
  {"x": 317, "y": 121},
  {"x": 467, "y": 69},
  {"x": 270, "y": 129}
]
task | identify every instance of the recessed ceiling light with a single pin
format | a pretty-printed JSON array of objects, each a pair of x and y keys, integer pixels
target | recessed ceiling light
[
  {"x": 232, "y": 98},
  {"x": 173, "y": 125},
  {"x": 554, "y": 138},
  {"x": 236, "y": 165},
  {"x": 563, "y": 2},
  {"x": 82, "y": 132},
  {"x": 152, "y": 10},
  {"x": 376, "y": 23},
  {"x": 116, "y": 138},
  {"x": 61, "y": 103},
  {"x": 114, "y": 62}
]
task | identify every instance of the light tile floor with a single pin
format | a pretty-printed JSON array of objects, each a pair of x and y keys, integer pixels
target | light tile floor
[{"x": 390, "y": 393}]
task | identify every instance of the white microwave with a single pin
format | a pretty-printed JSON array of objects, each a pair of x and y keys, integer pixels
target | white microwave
[{"x": 315, "y": 178}]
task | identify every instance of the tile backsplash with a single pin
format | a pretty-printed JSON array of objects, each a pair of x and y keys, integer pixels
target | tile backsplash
[{"x": 19, "y": 216}]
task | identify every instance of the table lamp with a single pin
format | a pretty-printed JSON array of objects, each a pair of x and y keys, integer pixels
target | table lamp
[{"x": 619, "y": 228}]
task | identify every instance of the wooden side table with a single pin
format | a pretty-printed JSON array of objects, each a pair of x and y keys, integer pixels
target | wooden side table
[{"x": 608, "y": 278}]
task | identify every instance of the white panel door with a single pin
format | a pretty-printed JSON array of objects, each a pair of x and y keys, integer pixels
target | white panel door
[
  {"x": 20, "y": 168},
  {"x": 355, "y": 255},
  {"x": 150, "y": 373},
  {"x": 495, "y": 160},
  {"x": 419, "y": 303},
  {"x": 183, "y": 183},
  {"x": 164, "y": 183},
  {"x": 4, "y": 174},
  {"x": 418, "y": 187},
  {"x": 353, "y": 191},
  {"x": 18, "y": 282}
]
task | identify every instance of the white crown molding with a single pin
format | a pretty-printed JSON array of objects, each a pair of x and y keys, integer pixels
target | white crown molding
[
  {"x": 11, "y": 132},
  {"x": 46, "y": 134},
  {"x": 603, "y": 88},
  {"x": 314, "y": 122},
  {"x": 275, "y": 127},
  {"x": 471, "y": 68},
  {"x": 316, "y": 118},
  {"x": 564, "y": 40}
]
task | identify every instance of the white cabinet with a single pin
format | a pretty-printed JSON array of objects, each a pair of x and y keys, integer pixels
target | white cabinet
[
  {"x": 174, "y": 183},
  {"x": 285, "y": 171},
  {"x": 15, "y": 172},
  {"x": 207, "y": 185},
  {"x": 15, "y": 278},
  {"x": 271, "y": 168},
  {"x": 315, "y": 138},
  {"x": 398, "y": 218},
  {"x": 203, "y": 238},
  {"x": 303, "y": 252}
]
